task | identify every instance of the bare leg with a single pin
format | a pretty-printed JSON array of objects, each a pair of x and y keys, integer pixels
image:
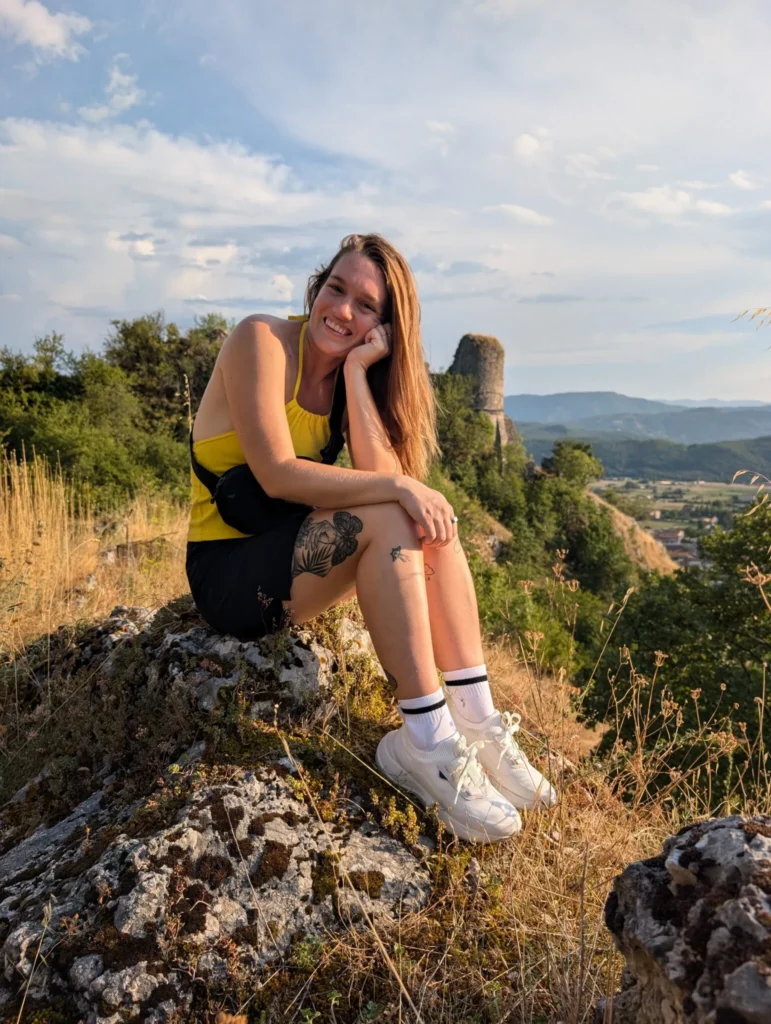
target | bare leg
[
  {"x": 452, "y": 608},
  {"x": 375, "y": 547}
]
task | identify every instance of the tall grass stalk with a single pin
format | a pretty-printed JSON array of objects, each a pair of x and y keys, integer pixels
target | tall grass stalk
[{"x": 60, "y": 560}]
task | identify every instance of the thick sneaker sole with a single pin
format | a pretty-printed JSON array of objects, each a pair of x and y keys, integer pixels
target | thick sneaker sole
[
  {"x": 391, "y": 767},
  {"x": 532, "y": 802}
]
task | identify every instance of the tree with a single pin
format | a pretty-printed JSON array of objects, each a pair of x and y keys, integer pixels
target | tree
[
  {"x": 158, "y": 358},
  {"x": 704, "y": 635},
  {"x": 573, "y": 461}
]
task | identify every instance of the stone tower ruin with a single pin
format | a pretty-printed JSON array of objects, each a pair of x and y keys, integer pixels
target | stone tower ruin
[{"x": 482, "y": 356}]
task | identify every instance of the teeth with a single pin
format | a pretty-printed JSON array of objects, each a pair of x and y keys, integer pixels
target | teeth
[{"x": 334, "y": 327}]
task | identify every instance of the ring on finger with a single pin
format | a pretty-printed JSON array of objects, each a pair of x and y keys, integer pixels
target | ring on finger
[{"x": 454, "y": 519}]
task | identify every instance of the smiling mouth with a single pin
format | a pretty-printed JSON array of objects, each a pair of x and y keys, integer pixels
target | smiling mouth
[{"x": 336, "y": 328}]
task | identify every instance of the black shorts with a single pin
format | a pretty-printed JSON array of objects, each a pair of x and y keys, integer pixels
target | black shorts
[{"x": 239, "y": 585}]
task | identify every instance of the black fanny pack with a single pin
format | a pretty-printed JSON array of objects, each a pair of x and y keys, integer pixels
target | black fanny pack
[{"x": 240, "y": 499}]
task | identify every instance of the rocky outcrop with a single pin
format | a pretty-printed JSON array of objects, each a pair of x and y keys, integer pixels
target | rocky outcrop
[
  {"x": 242, "y": 850},
  {"x": 482, "y": 356},
  {"x": 695, "y": 927}
]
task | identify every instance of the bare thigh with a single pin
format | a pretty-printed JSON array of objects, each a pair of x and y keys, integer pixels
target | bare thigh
[{"x": 328, "y": 549}]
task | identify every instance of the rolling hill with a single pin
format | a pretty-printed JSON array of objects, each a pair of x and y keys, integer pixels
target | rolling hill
[
  {"x": 684, "y": 426},
  {"x": 657, "y": 459},
  {"x": 575, "y": 405}
]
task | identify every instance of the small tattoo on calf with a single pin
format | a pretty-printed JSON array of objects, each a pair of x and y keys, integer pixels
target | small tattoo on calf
[
  {"x": 429, "y": 572},
  {"x": 392, "y": 684},
  {"x": 398, "y": 555},
  {"x": 320, "y": 545}
]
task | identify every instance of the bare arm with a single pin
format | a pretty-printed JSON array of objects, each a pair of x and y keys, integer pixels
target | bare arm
[
  {"x": 253, "y": 366},
  {"x": 368, "y": 440}
]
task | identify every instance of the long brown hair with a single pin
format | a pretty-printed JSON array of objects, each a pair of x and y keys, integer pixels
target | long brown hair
[{"x": 399, "y": 383}]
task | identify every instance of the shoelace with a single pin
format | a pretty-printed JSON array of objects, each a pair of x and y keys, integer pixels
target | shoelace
[
  {"x": 505, "y": 733},
  {"x": 471, "y": 767}
]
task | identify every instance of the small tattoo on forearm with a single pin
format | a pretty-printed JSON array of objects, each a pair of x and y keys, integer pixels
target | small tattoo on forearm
[
  {"x": 429, "y": 572},
  {"x": 392, "y": 684},
  {"x": 398, "y": 555}
]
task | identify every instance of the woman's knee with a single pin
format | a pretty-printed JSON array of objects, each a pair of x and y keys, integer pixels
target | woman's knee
[
  {"x": 390, "y": 515},
  {"x": 384, "y": 521}
]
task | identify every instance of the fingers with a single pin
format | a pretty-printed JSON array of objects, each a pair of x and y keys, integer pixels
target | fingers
[
  {"x": 433, "y": 516},
  {"x": 453, "y": 531},
  {"x": 444, "y": 529},
  {"x": 429, "y": 531},
  {"x": 382, "y": 334}
]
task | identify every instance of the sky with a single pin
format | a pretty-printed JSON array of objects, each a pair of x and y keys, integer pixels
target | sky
[{"x": 591, "y": 183}]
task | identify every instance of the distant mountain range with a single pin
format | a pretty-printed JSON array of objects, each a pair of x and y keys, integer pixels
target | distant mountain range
[
  {"x": 664, "y": 460},
  {"x": 575, "y": 405},
  {"x": 644, "y": 438},
  {"x": 606, "y": 415}
]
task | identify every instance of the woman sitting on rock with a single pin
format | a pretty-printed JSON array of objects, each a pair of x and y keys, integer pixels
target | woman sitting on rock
[{"x": 328, "y": 533}]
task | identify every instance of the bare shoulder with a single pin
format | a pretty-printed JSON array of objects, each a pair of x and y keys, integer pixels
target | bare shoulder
[{"x": 271, "y": 334}]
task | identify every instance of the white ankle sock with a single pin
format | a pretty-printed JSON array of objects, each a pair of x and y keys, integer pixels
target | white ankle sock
[
  {"x": 427, "y": 719},
  {"x": 470, "y": 692}
]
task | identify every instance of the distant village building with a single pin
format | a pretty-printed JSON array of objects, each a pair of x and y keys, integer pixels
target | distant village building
[
  {"x": 669, "y": 538},
  {"x": 656, "y": 513},
  {"x": 687, "y": 556},
  {"x": 482, "y": 356}
]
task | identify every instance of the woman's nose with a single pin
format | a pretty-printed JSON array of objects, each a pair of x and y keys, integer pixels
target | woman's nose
[{"x": 343, "y": 309}]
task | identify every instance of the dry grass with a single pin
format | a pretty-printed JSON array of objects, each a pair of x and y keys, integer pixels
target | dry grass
[
  {"x": 513, "y": 932},
  {"x": 60, "y": 561},
  {"x": 643, "y": 549}
]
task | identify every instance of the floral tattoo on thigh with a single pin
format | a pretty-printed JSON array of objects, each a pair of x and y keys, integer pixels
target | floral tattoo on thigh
[{"x": 322, "y": 544}]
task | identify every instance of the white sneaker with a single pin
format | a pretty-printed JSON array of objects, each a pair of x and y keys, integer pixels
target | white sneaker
[
  {"x": 450, "y": 775},
  {"x": 504, "y": 761}
]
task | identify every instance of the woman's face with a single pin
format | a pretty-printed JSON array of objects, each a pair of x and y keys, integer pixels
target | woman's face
[{"x": 350, "y": 303}]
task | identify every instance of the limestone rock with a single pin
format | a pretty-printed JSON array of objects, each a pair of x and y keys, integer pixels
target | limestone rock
[
  {"x": 123, "y": 904},
  {"x": 695, "y": 927},
  {"x": 244, "y": 861}
]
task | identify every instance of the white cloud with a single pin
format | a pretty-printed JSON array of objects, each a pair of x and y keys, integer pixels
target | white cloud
[
  {"x": 201, "y": 217},
  {"x": 645, "y": 347},
  {"x": 740, "y": 179},
  {"x": 51, "y": 35},
  {"x": 697, "y": 185},
  {"x": 122, "y": 93},
  {"x": 528, "y": 148},
  {"x": 440, "y": 133},
  {"x": 282, "y": 287},
  {"x": 501, "y": 10},
  {"x": 586, "y": 166},
  {"x": 8, "y": 243},
  {"x": 139, "y": 246},
  {"x": 671, "y": 203},
  {"x": 522, "y": 214},
  {"x": 135, "y": 219},
  {"x": 213, "y": 255},
  {"x": 713, "y": 209}
]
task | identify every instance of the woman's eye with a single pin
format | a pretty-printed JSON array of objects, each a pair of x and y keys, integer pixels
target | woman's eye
[{"x": 336, "y": 288}]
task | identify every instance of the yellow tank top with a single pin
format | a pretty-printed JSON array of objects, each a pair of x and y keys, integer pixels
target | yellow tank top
[{"x": 310, "y": 434}]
